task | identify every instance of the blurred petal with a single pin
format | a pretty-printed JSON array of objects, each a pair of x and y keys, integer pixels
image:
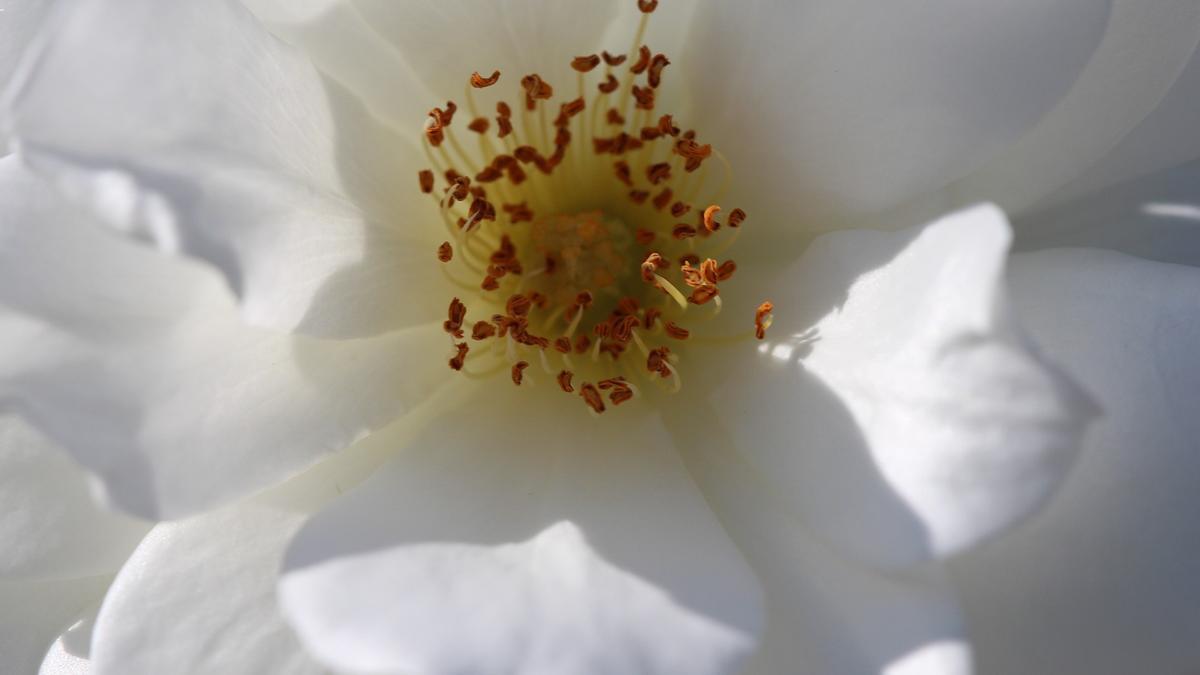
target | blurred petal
[
  {"x": 192, "y": 127},
  {"x": 49, "y": 524},
  {"x": 1156, "y": 217},
  {"x": 1104, "y": 581},
  {"x": 139, "y": 366},
  {"x": 826, "y": 613},
  {"x": 18, "y": 23},
  {"x": 570, "y": 545},
  {"x": 897, "y": 408},
  {"x": 34, "y": 613},
  {"x": 198, "y": 597}
]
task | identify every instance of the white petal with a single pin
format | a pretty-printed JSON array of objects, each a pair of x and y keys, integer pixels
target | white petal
[
  {"x": 445, "y": 42},
  {"x": 71, "y": 652},
  {"x": 1104, "y": 581},
  {"x": 194, "y": 128},
  {"x": 1156, "y": 217},
  {"x": 826, "y": 613},
  {"x": 49, "y": 524},
  {"x": 139, "y": 366},
  {"x": 345, "y": 46},
  {"x": 34, "y": 613},
  {"x": 511, "y": 538},
  {"x": 829, "y": 110},
  {"x": 1163, "y": 139},
  {"x": 198, "y": 597},
  {"x": 18, "y": 23},
  {"x": 1131, "y": 72},
  {"x": 897, "y": 408}
]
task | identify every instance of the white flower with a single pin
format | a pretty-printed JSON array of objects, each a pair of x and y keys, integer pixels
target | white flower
[{"x": 788, "y": 510}]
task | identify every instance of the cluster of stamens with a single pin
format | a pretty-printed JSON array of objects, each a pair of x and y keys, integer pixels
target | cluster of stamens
[{"x": 593, "y": 301}]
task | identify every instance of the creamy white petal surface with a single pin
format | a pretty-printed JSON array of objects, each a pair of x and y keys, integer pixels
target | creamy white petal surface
[
  {"x": 193, "y": 127},
  {"x": 198, "y": 597},
  {"x": 564, "y": 544},
  {"x": 896, "y": 406},
  {"x": 139, "y": 366},
  {"x": 826, "y": 613},
  {"x": 34, "y": 613},
  {"x": 50, "y": 527},
  {"x": 1104, "y": 581}
]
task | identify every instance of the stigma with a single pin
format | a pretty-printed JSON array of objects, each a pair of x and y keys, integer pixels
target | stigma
[{"x": 586, "y": 230}]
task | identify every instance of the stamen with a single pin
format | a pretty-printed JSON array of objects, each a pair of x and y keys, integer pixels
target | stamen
[
  {"x": 445, "y": 252},
  {"x": 518, "y": 371},
  {"x": 763, "y": 319},
  {"x": 480, "y": 82}
]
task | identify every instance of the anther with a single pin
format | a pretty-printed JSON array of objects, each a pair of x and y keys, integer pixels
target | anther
[
  {"x": 613, "y": 60},
  {"x": 656, "y": 362},
  {"x": 536, "y": 89},
  {"x": 644, "y": 97},
  {"x": 643, "y": 236},
  {"x": 460, "y": 357},
  {"x": 518, "y": 371},
  {"x": 651, "y": 265},
  {"x": 613, "y": 116},
  {"x": 479, "y": 125},
  {"x": 647, "y": 6},
  {"x": 657, "y": 173},
  {"x": 736, "y": 217},
  {"x": 425, "y": 176},
  {"x": 654, "y": 74},
  {"x": 643, "y": 61},
  {"x": 623, "y": 172},
  {"x": 585, "y": 64},
  {"x": 763, "y": 319},
  {"x": 445, "y": 252},
  {"x": 482, "y": 330},
  {"x": 678, "y": 209},
  {"x": 591, "y": 395},
  {"x": 682, "y": 231},
  {"x": 639, "y": 196},
  {"x": 564, "y": 381},
  {"x": 609, "y": 85},
  {"x": 661, "y": 200},
  {"x": 676, "y": 331},
  {"x": 457, "y": 312},
  {"x": 479, "y": 82},
  {"x": 710, "y": 218}
]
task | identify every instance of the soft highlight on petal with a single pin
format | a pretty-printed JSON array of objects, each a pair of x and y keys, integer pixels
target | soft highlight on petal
[
  {"x": 565, "y": 546},
  {"x": 897, "y": 406},
  {"x": 198, "y": 597}
]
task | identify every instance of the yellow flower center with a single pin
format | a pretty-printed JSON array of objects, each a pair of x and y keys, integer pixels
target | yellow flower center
[{"x": 583, "y": 244}]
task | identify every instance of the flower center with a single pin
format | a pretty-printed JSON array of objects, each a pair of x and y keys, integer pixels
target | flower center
[{"x": 587, "y": 244}]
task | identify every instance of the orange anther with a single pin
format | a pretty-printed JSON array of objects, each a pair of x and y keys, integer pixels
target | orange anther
[
  {"x": 518, "y": 371},
  {"x": 675, "y": 331},
  {"x": 710, "y": 218},
  {"x": 613, "y": 59},
  {"x": 564, "y": 381},
  {"x": 460, "y": 357},
  {"x": 479, "y": 82},
  {"x": 585, "y": 63},
  {"x": 760, "y": 319},
  {"x": 445, "y": 252}
]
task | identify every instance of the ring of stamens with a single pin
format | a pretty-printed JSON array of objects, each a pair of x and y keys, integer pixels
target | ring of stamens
[{"x": 594, "y": 283}]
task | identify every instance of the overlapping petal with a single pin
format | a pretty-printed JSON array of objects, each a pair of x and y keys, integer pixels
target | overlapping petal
[
  {"x": 897, "y": 407},
  {"x": 827, "y": 613},
  {"x": 192, "y": 127},
  {"x": 50, "y": 527},
  {"x": 842, "y": 113},
  {"x": 139, "y": 365},
  {"x": 574, "y": 545},
  {"x": 198, "y": 596},
  {"x": 1104, "y": 580},
  {"x": 33, "y": 613}
]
